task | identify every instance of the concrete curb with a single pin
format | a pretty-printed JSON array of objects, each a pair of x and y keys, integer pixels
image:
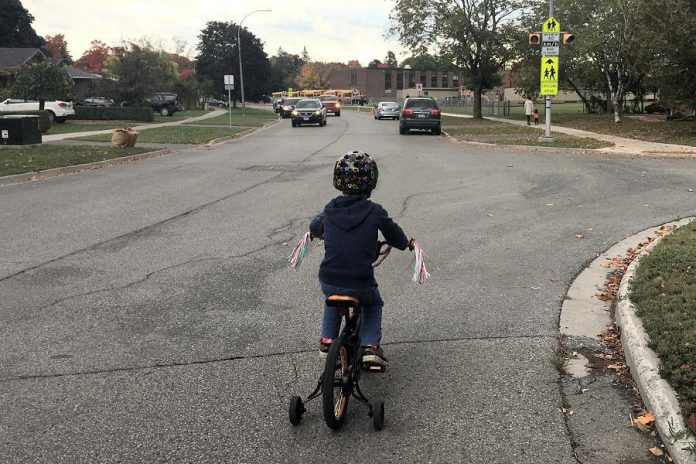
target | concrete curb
[
  {"x": 55, "y": 172},
  {"x": 659, "y": 397},
  {"x": 241, "y": 135}
]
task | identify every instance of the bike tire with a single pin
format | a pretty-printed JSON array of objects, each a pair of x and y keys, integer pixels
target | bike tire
[{"x": 336, "y": 390}]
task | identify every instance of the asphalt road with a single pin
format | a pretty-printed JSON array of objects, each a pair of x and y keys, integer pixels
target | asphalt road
[{"x": 148, "y": 313}]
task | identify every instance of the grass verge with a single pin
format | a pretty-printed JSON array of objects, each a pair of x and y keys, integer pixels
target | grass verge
[
  {"x": 179, "y": 115},
  {"x": 253, "y": 118},
  {"x": 175, "y": 135},
  {"x": 29, "y": 159},
  {"x": 487, "y": 131},
  {"x": 69, "y": 127},
  {"x": 664, "y": 294}
]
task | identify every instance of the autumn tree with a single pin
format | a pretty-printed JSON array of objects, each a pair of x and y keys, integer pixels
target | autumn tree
[
  {"x": 472, "y": 34},
  {"x": 15, "y": 26},
  {"x": 354, "y": 64},
  {"x": 57, "y": 47},
  {"x": 374, "y": 64},
  {"x": 94, "y": 59},
  {"x": 390, "y": 59},
  {"x": 315, "y": 75},
  {"x": 44, "y": 81},
  {"x": 285, "y": 68}
]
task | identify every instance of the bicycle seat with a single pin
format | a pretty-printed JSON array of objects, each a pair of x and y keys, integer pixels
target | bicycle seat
[{"x": 341, "y": 300}]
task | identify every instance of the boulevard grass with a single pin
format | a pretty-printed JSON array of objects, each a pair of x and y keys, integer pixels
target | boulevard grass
[
  {"x": 252, "y": 118},
  {"x": 187, "y": 135},
  {"x": 499, "y": 133},
  {"x": 20, "y": 160},
  {"x": 664, "y": 294}
]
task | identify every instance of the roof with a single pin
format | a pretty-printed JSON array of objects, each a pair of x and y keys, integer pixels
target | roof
[
  {"x": 75, "y": 73},
  {"x": 16, "y": 57}
]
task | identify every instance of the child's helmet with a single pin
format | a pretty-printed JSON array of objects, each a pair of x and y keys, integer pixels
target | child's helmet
[{"x": 355, "y": 172}]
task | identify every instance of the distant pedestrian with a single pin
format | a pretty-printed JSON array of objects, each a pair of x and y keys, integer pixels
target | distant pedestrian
[
  {"x": 528, "y": 110},
  {"x": 536, "y": 117}
]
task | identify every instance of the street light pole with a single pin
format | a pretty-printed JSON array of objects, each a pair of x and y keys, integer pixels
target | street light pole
[{"x": 239, "y": 51}]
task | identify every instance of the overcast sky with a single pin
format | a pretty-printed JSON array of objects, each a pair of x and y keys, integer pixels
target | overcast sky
[{"x": 332, "y": 30}]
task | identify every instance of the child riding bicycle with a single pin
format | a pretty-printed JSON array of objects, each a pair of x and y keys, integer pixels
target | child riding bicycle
[{"x": 349, "y": 225}]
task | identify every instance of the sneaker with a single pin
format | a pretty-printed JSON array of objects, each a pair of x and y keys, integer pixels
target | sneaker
[
  {"x": 324, "y": 345},
  {"x": 373, "y": 354}
]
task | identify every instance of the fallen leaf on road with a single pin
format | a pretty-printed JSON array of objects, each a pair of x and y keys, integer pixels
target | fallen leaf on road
[
  {"x": 550, "y": 205},
  {"x": 509, "y": 165},
  {"x": 616, "y": 367},
  {"x": 643, "y": 428},
  {"x": 690, "y": 190},
  {"x": 692, "y": 420},
  {"x": 645, "y": 419},
  {"x": 579, "y": 236},
  {"x": 489, "y": 214},
  {"x": 605, "y": 265},
  {"x": 656, "y": 451}
]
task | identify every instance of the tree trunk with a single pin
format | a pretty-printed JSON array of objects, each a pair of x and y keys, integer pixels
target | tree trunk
[
  {"x": 588, "y": 107},
  {"x": 477, "y": 103}
]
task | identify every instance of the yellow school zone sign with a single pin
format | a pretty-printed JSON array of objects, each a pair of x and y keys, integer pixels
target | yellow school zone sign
[
  {"x": 549, "y": 75},
  {"x": 551, "y": 25}
]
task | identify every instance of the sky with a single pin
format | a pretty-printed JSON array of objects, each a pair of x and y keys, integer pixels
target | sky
[{"x": 332, "y": 30}]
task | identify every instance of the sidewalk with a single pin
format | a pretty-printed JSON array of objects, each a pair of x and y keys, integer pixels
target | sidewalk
[
  {"x": 622, "y": 145},
  {"x": 72, "y": 135}
]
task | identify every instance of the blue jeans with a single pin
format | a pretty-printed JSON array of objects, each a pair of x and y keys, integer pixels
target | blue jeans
[{"x": 372, "y": 304}]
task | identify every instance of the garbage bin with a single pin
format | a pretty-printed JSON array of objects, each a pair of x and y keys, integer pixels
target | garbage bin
[{"x": 19, "y": 129}]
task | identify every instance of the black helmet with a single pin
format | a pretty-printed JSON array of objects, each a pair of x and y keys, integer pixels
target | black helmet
[{"x": 355, "y": 172}]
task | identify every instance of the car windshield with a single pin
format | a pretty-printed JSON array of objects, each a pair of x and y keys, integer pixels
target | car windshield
[
  {"x": 291, "y": 101},
  {"x": 309, "y": 104},
  {"x": 421, "y": 103},
  {"x": 327, "y": 98}
]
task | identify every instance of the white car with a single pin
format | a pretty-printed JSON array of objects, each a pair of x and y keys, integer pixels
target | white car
[{"x": 58, "y": 111}]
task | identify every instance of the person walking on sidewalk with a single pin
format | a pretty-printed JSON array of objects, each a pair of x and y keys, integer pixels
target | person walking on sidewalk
[
  {"x": 536, "y": 117},
  {"x": 528, "y": 110}
]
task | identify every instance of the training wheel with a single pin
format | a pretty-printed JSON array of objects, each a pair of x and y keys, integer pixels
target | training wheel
[
  {"x": 296, "y": 410},
  {"x": 378, "y": 414}
]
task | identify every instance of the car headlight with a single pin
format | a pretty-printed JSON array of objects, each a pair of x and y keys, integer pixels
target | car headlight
[
  {"x": 317, "y": 112},
  {"x": 295, "y": 113},
  {"x": 287, "y": 108},
  {"x": 338, "y": 105}
]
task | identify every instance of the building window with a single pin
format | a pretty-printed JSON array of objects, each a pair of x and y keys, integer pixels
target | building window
[
  {"x": 399, "y": 80},
  {"x": 445, "y": 80},
  {"x": 353, "y": 79},
  {"x": 411, "y": 79},
  {"x": 387, "y": 81},
  {"x": 455, "y": 82},
  {"x": 422, "y": 78},
  {"x": 433, "y": 80}
]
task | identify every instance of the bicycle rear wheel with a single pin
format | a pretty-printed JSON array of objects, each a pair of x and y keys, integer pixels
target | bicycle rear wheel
[{"x": 336, "y": 384}]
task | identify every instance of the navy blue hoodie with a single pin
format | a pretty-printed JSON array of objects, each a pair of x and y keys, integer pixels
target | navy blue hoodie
[{"x": 349, "y": 226}]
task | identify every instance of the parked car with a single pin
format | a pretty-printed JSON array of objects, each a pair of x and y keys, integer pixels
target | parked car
[
  {"x": 330, "y": 102},
  {"x": 387, "y": 110},
  {"x": 278, "y": 104},
  {"x": 215, "y": 102},
  {"x": 309, "y": 111},
  {"x": 58, "y": 111},
  {"x": 95, "y": 101},
  {"x": 165, "y": 104},
  {"x": 288, "y": 106},
  {"x": 420, "y": 113}
]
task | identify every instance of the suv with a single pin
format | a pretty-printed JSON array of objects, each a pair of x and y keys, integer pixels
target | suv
[
  {"x": 330, "y": 102},
  {"x": 58, "y": 111},
  {"x": 165, "y": 104},
  {"x": 420, "y": 113}
]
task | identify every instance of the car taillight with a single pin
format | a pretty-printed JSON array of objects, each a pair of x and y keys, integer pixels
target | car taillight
[
  {"x": 435, "y": 112},
  {"x": 408, "y": 111},
  {"x": 62, "y": 104}
]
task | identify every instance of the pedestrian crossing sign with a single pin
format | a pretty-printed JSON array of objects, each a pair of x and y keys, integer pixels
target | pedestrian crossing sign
[
  {"x": 549, "y": 75},
  {"x": 551, "y": 25}
]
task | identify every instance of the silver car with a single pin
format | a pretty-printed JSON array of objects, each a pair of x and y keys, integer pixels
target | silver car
[{"x": 387, "y": 110}]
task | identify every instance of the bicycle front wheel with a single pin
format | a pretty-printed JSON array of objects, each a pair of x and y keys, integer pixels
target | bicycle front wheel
[{"x": 336, "y": 384}]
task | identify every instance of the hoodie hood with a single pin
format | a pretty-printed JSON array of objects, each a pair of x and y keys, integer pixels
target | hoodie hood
[{"x": 348, "y": 211}]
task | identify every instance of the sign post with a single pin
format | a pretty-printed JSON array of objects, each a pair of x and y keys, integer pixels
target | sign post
[
  {"x": 229, "y": 86},
  {"x": 550, "y": 46}
]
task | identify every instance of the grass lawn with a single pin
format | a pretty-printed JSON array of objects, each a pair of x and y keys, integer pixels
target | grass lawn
[
  {"x": 253, "y": 118},
  {"x": 175, "y": 135},
  {"x": 178, "y": 116},
  {"x": 21, "y": 160},
  {"x": 494, "y": 132},
  {"x": 70, "y": 127},
  {"x": 664, "y": 293}
]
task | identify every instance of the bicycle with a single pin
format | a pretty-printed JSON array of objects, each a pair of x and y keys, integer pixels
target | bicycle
[{"x": 343, "y": 367}]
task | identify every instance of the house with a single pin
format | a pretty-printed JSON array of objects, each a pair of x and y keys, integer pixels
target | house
[{"x": 12, "y": 60}]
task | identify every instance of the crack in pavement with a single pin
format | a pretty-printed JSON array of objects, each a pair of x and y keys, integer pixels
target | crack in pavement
[
  {"x": 176, "y": 217},
  {"x": 260, "y": 356},
  {"x": 404, "y": 206}
]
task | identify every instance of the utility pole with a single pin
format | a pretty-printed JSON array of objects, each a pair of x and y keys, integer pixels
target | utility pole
[{"x": 239, "y": 51}]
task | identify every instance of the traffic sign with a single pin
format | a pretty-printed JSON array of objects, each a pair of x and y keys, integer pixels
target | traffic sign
[
  {"x": 549, "y": 75},
  {"x": 229, "y": 82},
  {"x": 551, "y": 25}
]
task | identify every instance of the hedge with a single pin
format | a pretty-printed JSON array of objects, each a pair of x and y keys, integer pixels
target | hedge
[
  {"x": 114, "y": 113},
  {"x": 44, "y": 119}
]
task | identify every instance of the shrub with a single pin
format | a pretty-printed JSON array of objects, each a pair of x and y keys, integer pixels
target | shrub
[
  {"x": 114, "y": 113},
  {"x": 44, "y": 119}
]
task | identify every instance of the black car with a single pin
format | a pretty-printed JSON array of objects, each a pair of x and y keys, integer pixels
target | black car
[
  {"x": 287, "y": 107},
  {"x": 215, "y": 102},
  {"x": 278, "y": 104},
  {"x": 309, "y": 111},
  {"x": 165, "y": 103},
  {"x": 420, "y": 113}
]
